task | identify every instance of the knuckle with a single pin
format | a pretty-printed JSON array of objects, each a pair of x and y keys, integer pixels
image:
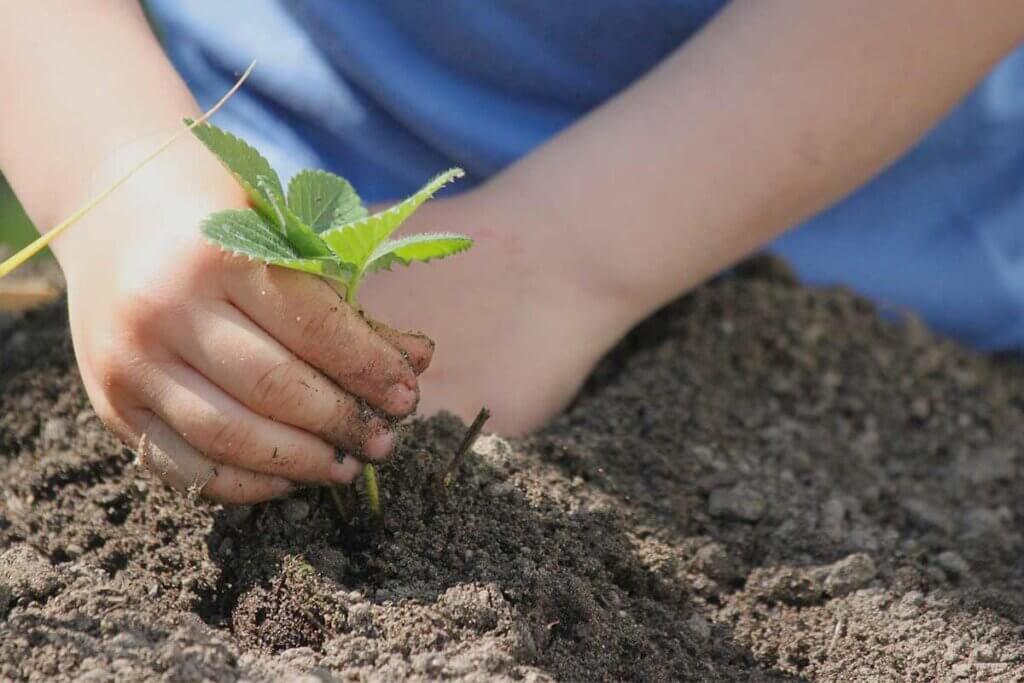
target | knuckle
[
  {"x": 327, "y": 327},
  {"x": 114, "y": 420},
  {"x": 116, "y": 368},
  {"x": 207, "y": 260},
  {"x": 281, "y": 384},
  {"x": 343, "y": 422},
  {"x": 148, "y": 301},
  {"x": 330, "y": 337},
  {"x": 227, "y": 437},
  {"x": 139, "y": 318}
]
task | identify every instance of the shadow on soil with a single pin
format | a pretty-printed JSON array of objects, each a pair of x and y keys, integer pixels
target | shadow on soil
[{"x": 507, "y": 556}]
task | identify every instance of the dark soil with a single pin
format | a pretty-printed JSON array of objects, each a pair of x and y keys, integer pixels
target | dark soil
[{"x": 764, "y": 482}]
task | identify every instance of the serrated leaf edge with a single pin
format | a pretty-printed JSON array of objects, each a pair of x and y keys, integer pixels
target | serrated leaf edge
[{"x": 388, "y": 248}]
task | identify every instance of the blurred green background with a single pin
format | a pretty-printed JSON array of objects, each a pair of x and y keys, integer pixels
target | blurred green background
[{"x": 15, "y": 228}]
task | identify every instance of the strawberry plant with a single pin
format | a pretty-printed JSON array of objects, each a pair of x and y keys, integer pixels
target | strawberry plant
[{"x": 320, "y": 226}]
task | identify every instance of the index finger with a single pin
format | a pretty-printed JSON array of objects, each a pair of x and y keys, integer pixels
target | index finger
[{"x": 309, "y": 317}]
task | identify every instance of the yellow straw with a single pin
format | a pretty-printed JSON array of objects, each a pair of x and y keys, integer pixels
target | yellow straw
[{"x": 41, "y": 243}]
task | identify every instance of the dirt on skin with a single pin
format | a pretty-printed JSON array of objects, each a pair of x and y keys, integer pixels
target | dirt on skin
[{"x": 764, "y": 482}]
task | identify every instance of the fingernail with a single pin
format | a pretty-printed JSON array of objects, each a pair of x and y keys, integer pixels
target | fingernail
[
  {"x": 345, "y": 471},
  {"x": 380, "y": 445},
  {"x": 400, "y": 400},
  {"x": 282, "y": 487}
]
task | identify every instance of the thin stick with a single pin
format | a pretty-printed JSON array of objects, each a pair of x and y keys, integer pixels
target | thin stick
[
  {"x": 44, "y": 240},
  {"x": 342, "y": 508},
  {"x": 467, "y": 442}
]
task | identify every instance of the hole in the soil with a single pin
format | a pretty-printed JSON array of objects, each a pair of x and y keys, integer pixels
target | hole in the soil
[
  {"x": 95, "y": 542},
  {"x": 114, "y": 562},
  {"x": 59, "y": 556},
  {"x": 216, "y": 603},
  {"x": 117, "y": 507},
  {"x": 799, "y": 661}
]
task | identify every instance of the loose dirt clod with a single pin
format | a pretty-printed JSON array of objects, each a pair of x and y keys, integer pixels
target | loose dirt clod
[{"x": 620, "y": 543}]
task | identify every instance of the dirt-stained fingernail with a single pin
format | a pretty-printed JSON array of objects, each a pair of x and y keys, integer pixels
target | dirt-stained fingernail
[
  {"x": 400, "y": 400},
  {"x": 282, "y": 487},
  {"x": 379, "y": 445},
  {"x": 345, "y": 471}
]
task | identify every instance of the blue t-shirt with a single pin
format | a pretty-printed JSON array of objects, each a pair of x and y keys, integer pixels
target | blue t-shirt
[{"x": 389, "y": 92}]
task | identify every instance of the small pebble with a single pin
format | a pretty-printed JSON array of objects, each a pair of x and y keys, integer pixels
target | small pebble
[
  {"x": 54, "y": 431},
  {"x": 699, "y": 626},
  {"x": 714, "y": 561},
  {"x": 849, "y": 574},
  {"x": 501, "y": 489},
  {"x": 953, "y": 563},
  {"x": 921, "y": 408},
  {"x": 926, "y": 514},
  {"x": 737, "y": 502}
]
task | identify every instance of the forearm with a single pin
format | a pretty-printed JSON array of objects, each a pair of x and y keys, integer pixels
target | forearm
[
  {"x": 774, "y": 111},
  {"x": 84, "y": 80}
]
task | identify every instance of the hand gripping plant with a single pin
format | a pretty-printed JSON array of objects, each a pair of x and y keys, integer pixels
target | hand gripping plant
[{"x": 318, "y": 226}]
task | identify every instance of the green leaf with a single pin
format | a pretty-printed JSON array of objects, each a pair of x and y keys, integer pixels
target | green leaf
[
  {"x": 421, "y": 248},
  {"x": 321, "y": 200},
  {"x": 245, "y": 232},
  {"x": 355, "y": 242},
  {"x": 245, "y": 163},
  {"x": 302, "y": 237}
]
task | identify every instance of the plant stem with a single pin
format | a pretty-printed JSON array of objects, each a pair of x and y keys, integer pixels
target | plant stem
[
  {"x": 467, "y": 442},
  {"x": 372, "y": 490},
  {"x": 339, "y": 503},
  {"x": 369, "y": 471},
  {"x": 352, "y": 289}
]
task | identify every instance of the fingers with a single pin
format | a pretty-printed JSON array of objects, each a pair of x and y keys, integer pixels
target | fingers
[
  {"x": 170, "y": 457},
  {"x": 308, "y": 317},
  {"x": 225, "y": 431},
  {"x": 417, "y": 348},
  {"x": 231, "y": 351}
]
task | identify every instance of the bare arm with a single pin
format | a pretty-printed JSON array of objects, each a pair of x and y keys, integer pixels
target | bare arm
[
  {"x": 82, "y": 80},
  {"x": 774, "y": 111}
]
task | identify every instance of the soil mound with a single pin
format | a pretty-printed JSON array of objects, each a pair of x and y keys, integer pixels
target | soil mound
[{"x": 763, "y": 482}]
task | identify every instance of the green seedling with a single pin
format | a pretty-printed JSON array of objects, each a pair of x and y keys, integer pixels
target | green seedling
[{"x": 318, "y": 226}]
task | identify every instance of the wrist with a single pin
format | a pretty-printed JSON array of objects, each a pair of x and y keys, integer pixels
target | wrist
[{"x": 158, "y": 206}]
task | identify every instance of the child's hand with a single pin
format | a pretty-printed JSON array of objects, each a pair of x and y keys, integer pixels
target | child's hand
[{"x": 228, "y": 376}]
